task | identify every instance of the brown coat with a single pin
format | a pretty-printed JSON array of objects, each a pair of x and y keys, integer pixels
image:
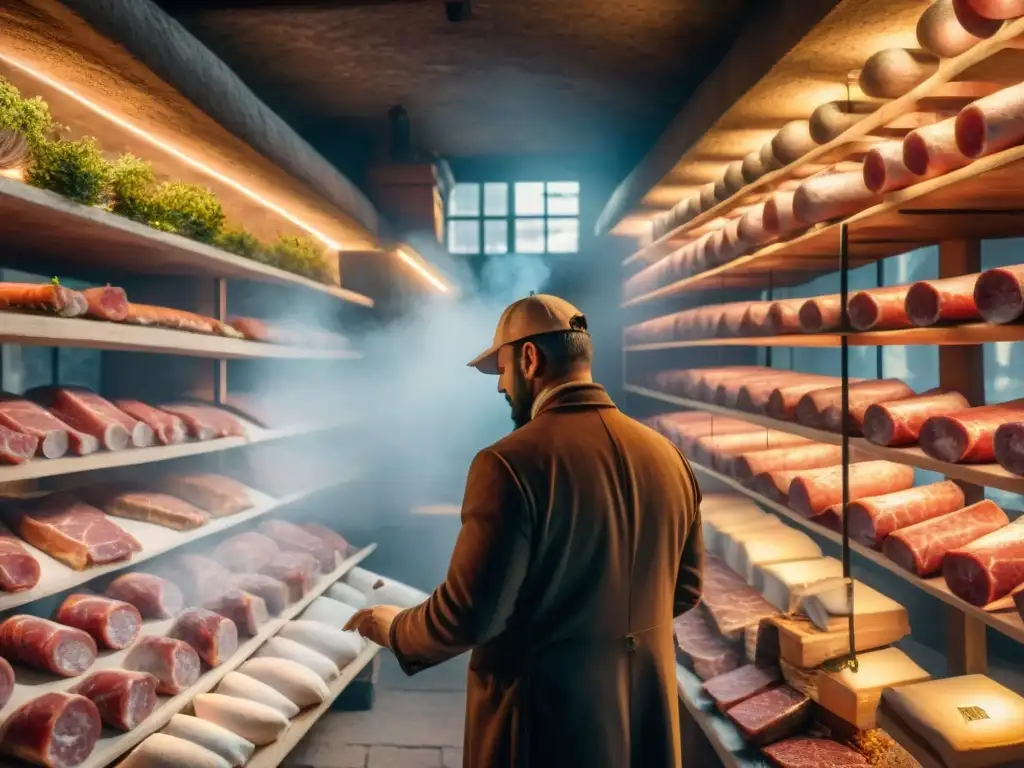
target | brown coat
[{"x": 580, "y": 541}]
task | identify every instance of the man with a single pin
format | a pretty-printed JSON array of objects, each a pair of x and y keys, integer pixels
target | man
[{"x": 580, "y": 542}]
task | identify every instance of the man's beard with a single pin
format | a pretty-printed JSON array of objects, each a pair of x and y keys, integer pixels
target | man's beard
[{"x": 520, "y": 400}]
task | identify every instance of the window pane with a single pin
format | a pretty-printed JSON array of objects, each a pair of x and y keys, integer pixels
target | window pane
[
  {"x": 563, "y": 198},
  {"x": 495, "y": 199},
  {"x": 464, "y": 236},
  {"x": 496, "y": 236},
  {"x": 530, "y": 198},
  {"x": 465, "y": 200},
  {"x": 563, "y": 235},
  {"x": 529, "y": 234}
]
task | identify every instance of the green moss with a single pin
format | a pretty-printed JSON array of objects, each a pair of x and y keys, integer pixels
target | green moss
[
  {"x": 76, "y": 169},
  {"x": 29, "y": 117},
  {"x": 132, "y": 185},
  {"x": 188, "y": 209},
  {"x": 301, "y": 256}
]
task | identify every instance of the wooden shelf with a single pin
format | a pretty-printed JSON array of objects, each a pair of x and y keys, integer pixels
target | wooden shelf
[
  {"x": 724, "y": 737},
  {"x": 1009, "y": 624},
  {"x": 273, "y": 754},
  {"x": 156, "y": 540},
  {"x": 40, "y": 330},
  {"x": 50, "y": 227}
]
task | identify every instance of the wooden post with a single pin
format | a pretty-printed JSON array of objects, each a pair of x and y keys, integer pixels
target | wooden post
[{"x": 962, "y": 368}]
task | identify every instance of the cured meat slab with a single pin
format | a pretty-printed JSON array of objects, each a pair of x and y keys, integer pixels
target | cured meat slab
[
  {"x": 737, "y": 686},
  {"x": 88, "y": 412},
  {"x": 730, "y": 602},
  {"x": 992, "y": 123},
  {"x": 998, "y": 294},
  {"x": 875, "y": 517},
  {"x": 245, "y": 610},
  {"x": 174, "y": 663},
  {"x": 23, "y": 416},
  {"x": 899, "y": 422},
  {"x": 334, "y": 540},
  {"x": 124, "y": 698},
  {"x": 46, "y": 645},
  {"x": 246, "y": 552},
  {"x": 772, "y": 715},
  {"x": 18, "y": 569},
  {"x": 156, "y": 508},
  {"x": 57, "y": 730},
  {"x": 205, "y": 422},
  {"x": 167, "y": 428},
  {"x": 296, "y": 570},
  {"x": 217, "y": 494},
  {"x": 967, "y": 436},
  {"x": 988, "y": 568},
  {"x": 15, "y": 447},
  {"x": 921, "y": 548},
  {"x": 880, "y": 309},
  {"x": 805, "y": 752},
  {"x": 77, "y": 534},
  {"x": 273, "y": 593},
  {"x": 153, "y": 596},
  {"x": 813, "y": 491},
  {"x": 292, "y": 538},
  {"x": 6, "y": 682},
  {"x": 214, "y": 637},
  {"x": 950, "y": 300},
  {"x": 106, "y": 303},
  {"x": 111, "y": 623},
  {"x": 702, "y": 647},
  {"x": 814, "y": 456}
]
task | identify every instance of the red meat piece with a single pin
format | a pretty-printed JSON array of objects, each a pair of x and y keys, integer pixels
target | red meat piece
[
  {"x": 214, "y": 637},
  {"x": 111, "y": 623},
  {"x": 46, "y": 645},
  {"x": 174, "y": 663},
  {"x": 18, "y": 569},
  {"x": 124, "y": 698},
  {"x": 58, "y": 730},
  {"x": 155, "y": 597}
]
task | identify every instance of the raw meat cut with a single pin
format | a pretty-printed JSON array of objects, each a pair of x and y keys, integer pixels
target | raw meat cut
[
  {"x": 992, "y": 123},
  {"x": 302, "y": 686},
  {"x": 824, "y": 313},
  {"x": 831, "y": 196},
  {"x": 72, "y": 531},
  {"x": 784, "y": 317},
  {"x": 884, "y": 170},
  {"x": 164, "y": 751},
  {"x": 778, "y": 217},
  {"x": 893, "y": 72},
  {"x": 921, "y": 548},
  {"x": 42, "y": 297},
  {"x": 730, "y": 602},
  {"x": 967, "y": 436},
  {"x": 880, "y": 309},
  {"x": 340, "y": 647},
  {"x": 988, "y": 568},
  {"x": 861, "y": 396},
  {"x": 155, "y": 508},
  {"x": 270, "y": 590},
  {"x": 899, "y": 422},
  {"x": 703, "y": 649},
  {"x": 249, "y": 688},
  {"x": 1009, "y": 447},
  {"x": 89, "y": 413},
  {"x": 930, "y": 151},
  {"x": 111, "y": 623},
  {"x": 18, "y": 569},
  {"x": 947, "y": 30},
  {"x": 56, "y": 730},
  {"x": 998, "y": 294},
  {"x": 106, "y": 303},
  {"x": 293, "y": 539},
  {"x": 124, "y": 698},
  {"x": 793, "y": 141},
  {"x": 805, "y": 752},
  {"x": 997, "y": 9},
  {"x": 23, "y": 416},
  {"x": 156, "y": 598},
  {"x": 296, "y": 570},
  {"x": 811, "y": 492},
  {"x": 167, "y": 428},
  {"x": 930, "y": 302},
  {"x": 232, "y": 747},
  {"x": 6, "y": 682},
  {"x": 875, "y": 517},
  {"x": 783, "y": 401},
  {"x": 214, "y": 637},
  {"x": 771, "y": 715},
  {"x": 205, "y": 422},
  {"x": 252, "y": 721},
  {"x": 46, "y": 645},
  {"x": 343, "y": 593},
  {"x": 217, "y": 494},
  {"x": 813, "y": 456},
  {"x": 328, "y": 536},
  {"x": 247, "y": 552},
  {"x": 200, "y": 578},
  {"x": 174, "y": 663},
  {"x": 737, "y": 686},
  {"x": 247, "y": 611},
  {"x": 282, "y": 648},
  {"x": 15, "y": 447}
]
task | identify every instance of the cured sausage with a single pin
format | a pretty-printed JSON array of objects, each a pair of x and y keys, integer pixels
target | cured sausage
[
  {"x": 106, "y": 303},
  {"x": 921, "y": 548},
  {"x": 752, "y": 167},
  {"x": 931, "y": 150},
  {"x": 214, "y": 637},
  {"x": 46, "y": 645},
  {"x": 43, "y": 297},
  {"x": 992, "y": 123},
  {"x": 884, "y": 170},
  {"x": 999, "y": 294},
  {"x": 997, "y": 9},
  {"x": 833, "y": 118},
  {"x": 831, "y": 196},
  {"x": 783, "y": 402},
  {"x": 880, "y": 309},
  {"x": 793, "y": 141},
  {"x": 779, "y": 217},
  {"x": 899, "y": 422},
  {"x": 1009, "y": 447},
  {"x": 784, "y": 317},
  {"x": 733, "y": 177},
  {"x": 814, "y": 456},
  {"x": 715, "y": 450},
  {"x": 754, "y": 394},
  {"x": 731, "y": 319},
  {"x": 174, "y": 663},
  {"x": 948, "y": 28},
  {"x": 893, "y": 72},
  {"x": 948, "y": 300},
  {"x": 812, "y": 491},
  {"x": 822, "y": 314},
  {"x": 987, "y": 568},
  {"x": 820, "y": 408},
  {"x": 768, "y": 159},
  {"x": 57, "y": 730},
  {"x": 246, "y": 610},
  {"x": 272, "y": 592},
  {"x": 775, "y": 485},
  {"x": 111, "y": 623},
  {"x": 154, "y": 597},
  {"x": 124, "y": 698},
  {"x": 707, "y": 197},
  {"x": 875, "y": 517},
  {"x": 967, "y": 436},
  {"x": 727, "y": 393}
]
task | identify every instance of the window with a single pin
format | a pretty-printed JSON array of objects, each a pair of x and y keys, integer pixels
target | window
[{"x": 523, "y": 217}]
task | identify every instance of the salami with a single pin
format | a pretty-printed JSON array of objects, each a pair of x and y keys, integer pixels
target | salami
[
  {"x": 43, "y": 297},
  {"x": 988, "y": 568},
  {"x": 46, "y": 645},
  {"x": 930, "y": 302},
  {"x": 111, "y": 623},
  {"x": 775, "y": 485},
  {"x": 831, "y": 196},
  {"x": 947, "y": 31},
  {"x": 728, "y": 393},
  {"x": 930, "y": 151},
  {"x": 200, "y": 578},
  {"x": 783, "y": 402},
  {"x": 884, "y": 170},
  {"x": 880, "y": 309},
  {"x": 822, "y": 314},
  {"x": 273, "y": 593},
  {"x": 793, "y": 141},
  {"x": 992, "y": 123},
  {"x": 751, "y": 227},
  {"x": 753, "y": 396},
  {"x": 174, "y": 663},
  {"x": 246, "y": 610},
  {"x": 779, "y": 217},
  {"x": 1009, "y": 447},
  {"x": 893, "y": 72},
  {"x": 999, "y": 294},
  {"x": 784, "y": 317},
  {"x": 124, "y": 698},
  {"x": 811, "y": 492},
  {"x": 875, "y": 517},
  {"x": 812, "y": 456},
  {"x": 716, "y": 451},
  {"x": 106, "y": 303},
  {"x": 821, "y": 408},
  {"x": 18, "y": 569},
  {"x": 922, "y": 547},
  {"x": 832, "y": 119},
  {"x": 296, "y": 570},
  {"x": 997, "y": 9},
  {"x": 967, "y": 436},
  {"x": 899, "y": 422},
  {"x": 214, "y": 637},
  {"x": 57, "y": 730},
  {"x": 154, "y": 597},
  {"x": 731, "y": 320}
]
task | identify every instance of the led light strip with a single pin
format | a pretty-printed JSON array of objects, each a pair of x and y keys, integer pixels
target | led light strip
[{"x": 417, "y": 265}]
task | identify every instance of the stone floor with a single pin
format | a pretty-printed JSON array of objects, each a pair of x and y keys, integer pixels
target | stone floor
[{"x": 415, "y": 723}]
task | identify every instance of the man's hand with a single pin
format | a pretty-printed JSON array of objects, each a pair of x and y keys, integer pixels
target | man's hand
[{"x": 374, "y": 623}]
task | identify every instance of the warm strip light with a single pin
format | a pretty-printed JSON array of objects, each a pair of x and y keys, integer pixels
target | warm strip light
[
  {"x": 18, "y": 174},
  {"x": 417, "y": 265}
]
